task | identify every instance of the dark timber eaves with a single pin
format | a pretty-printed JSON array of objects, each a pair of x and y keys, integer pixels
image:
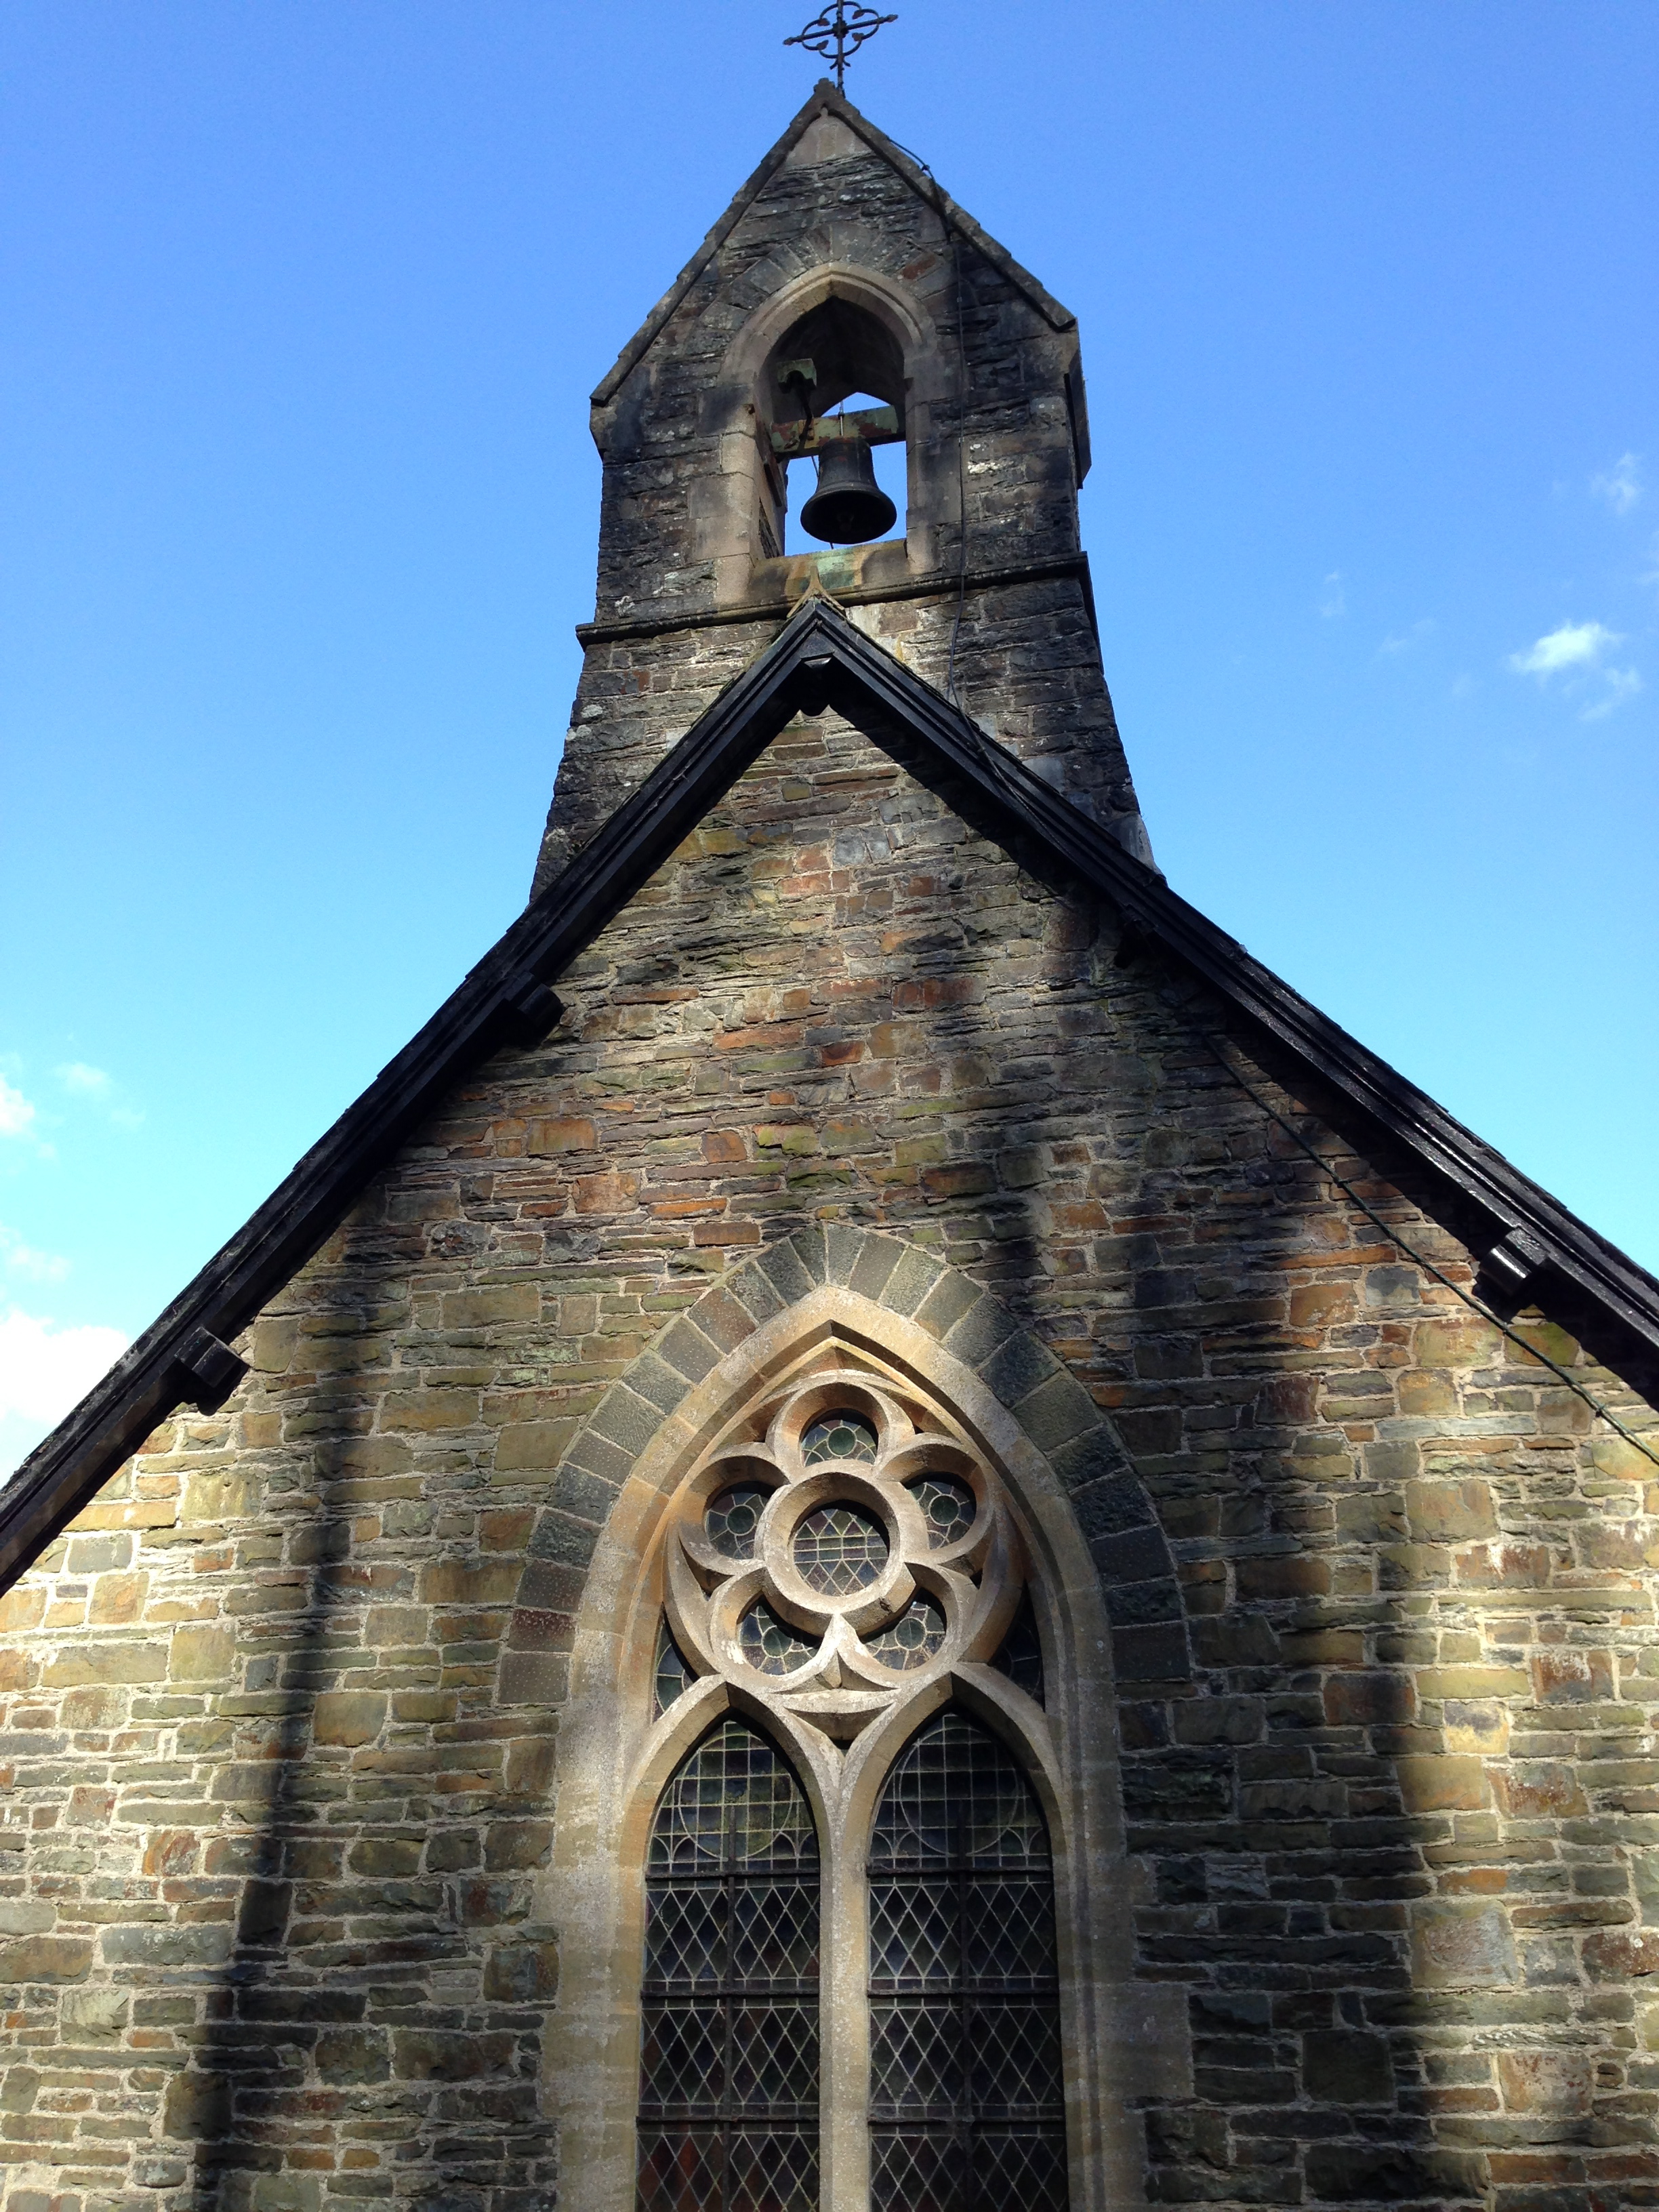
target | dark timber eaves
[{"x": 819, "y": 659}]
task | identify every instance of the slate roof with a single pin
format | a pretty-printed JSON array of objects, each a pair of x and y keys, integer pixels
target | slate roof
[
  {"x": 819, "y": 659},
  {"x": 826, "y": 100}
]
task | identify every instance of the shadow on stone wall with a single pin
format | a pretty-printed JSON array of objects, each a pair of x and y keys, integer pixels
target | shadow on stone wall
[{"x": 376, "y": 2032}]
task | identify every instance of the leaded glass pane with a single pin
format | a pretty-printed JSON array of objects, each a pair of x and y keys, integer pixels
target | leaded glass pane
[
  {"x": 729, "y": 2028},
  {"x": 1020, "y": 1657},
  {"x": 840, "y": 1549},
  {"x": 838, "y": 1436},
  {"x": 768, "y": 1642},
  {"x": 954, "y": 1793},
  {"x": 734, "y": 1517},
  {"x": 913, "y": 1638},
  {"x": 947, "y": 1506},
  {"x": 966, "y": 2097},
  {"x": 674, "y": 1677}
]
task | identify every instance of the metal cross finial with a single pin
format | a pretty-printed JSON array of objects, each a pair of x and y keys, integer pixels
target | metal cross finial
[{"x": 839, "y": 33}]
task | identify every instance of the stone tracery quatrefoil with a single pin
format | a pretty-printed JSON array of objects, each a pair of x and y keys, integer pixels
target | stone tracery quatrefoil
[{"x": 846, "y": 1552}]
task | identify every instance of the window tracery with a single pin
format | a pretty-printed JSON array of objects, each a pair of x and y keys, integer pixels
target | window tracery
[
  {"x": 842, "y": 1552},
  {"x": 836, "y": 1560}
]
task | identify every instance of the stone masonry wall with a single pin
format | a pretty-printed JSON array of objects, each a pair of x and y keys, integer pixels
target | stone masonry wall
[
  {"x": 1028, "y": 664},
  {"x": 274, "y": 1807}
]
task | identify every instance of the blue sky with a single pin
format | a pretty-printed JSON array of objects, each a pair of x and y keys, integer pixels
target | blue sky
[{"x": 301, "y": 302}]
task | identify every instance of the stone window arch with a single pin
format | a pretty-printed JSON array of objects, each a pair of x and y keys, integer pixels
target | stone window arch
[
  {"x": 866, "y": 333},
  {"x": 743, "y": 1577}
]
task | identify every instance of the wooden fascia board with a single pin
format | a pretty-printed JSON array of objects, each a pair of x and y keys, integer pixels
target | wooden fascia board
[{"x": 818, "y": 658}]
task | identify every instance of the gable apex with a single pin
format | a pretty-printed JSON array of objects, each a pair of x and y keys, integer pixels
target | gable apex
[
  {"x": 818, "y": 132},
  {"x": 820, "y": 660}
]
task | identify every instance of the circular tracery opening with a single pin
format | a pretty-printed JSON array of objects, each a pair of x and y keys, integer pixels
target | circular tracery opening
[
  {"x": 732, "y": 1518},
  {"x": 840, "y": 1549},
  {"x": 769, "y": 1644},
  {"x": 912, "y": 1639},
  {"x": 839, "y": 1435},
  {"x": 947, "y": 1507}
]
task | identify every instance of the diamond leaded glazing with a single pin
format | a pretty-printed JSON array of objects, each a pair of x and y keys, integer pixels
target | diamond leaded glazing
[
  {"x": 729, "y": 2043},
  {"x": 840, "y": 1549},
  {"x": 966, "y": 2105}
]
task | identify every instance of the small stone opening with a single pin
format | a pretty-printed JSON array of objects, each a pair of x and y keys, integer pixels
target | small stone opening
[{"x": 832, "y": 398}]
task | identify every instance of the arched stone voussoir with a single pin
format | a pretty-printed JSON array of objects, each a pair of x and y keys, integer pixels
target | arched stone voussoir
[{"x": 1114, "y": 1512}]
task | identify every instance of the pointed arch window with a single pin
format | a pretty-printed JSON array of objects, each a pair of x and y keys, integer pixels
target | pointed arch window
[
  {"x": 967, "y": 2108},
  {"x": 848, "y": 1909},
  {"x": 728, "y": 2109}
]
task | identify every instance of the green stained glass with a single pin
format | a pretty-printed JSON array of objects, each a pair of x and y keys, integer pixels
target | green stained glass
[
  {"x": 947, "y": 1507},
  {"x": 912, "y": 1639},
  {"x": 734, "y": 1517},
  {"x": 769, "y": 1644},
  {"x": 839, "y": 1435}
]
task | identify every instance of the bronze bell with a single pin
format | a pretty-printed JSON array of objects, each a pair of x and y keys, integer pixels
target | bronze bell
[{"x": 849, "y": 507}]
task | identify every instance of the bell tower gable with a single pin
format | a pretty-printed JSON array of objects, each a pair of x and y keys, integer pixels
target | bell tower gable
[
  {"x": 840, "y": 268},
  {"x": 850, "y": 388}
]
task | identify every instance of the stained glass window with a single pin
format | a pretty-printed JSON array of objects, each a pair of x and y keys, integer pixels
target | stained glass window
[
  {"x": 674, "y": 1677},
  {"x": 728, "y": 2112},
  {"x": 966, "y": 2106},
  {"x": 733, "y": 1519},
  {"x": 840, "y": 1549},
  {"x": 838, "y": 1436},
  {"x": 947, "y": 1507},
  {"x": 913, "y": 1638},
  {"x": 1020, "y": 1657},
  {"x": 768, "y": 1642}
]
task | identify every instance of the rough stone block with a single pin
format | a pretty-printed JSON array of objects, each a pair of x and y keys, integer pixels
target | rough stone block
[{"x": 1457, "y": 1946}]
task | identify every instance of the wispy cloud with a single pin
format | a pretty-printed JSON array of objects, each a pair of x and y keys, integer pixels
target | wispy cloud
[
  {"x": 45, "y": 1369},
  {"x": 1407, "y": 641},
  {"x": 17, "y": 1114},
  {"x": 1333, "y": 600},
  {"x": 1575, "y": 645},
  {"x": 98, "y": 1087},
  {"x": 21, "y": 1259},
  {"x": 86, "y": 1082},
  {"x": 1622, "y": 484},
  {"x": 1575, "y": 652},
  {"x": 1622, "y": 683}
]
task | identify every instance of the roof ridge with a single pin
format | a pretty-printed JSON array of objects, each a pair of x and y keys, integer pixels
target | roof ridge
[
  {"x": 818, "y": 658},
  {"x": 825, "y": 99}
]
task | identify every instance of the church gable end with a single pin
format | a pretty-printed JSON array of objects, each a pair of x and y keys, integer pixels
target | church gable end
[{"x": 399, "y": 1742}]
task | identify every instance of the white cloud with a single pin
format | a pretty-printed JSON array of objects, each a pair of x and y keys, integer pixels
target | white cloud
[
  {"x": 23, "y": 1258},
  {"x": 1622, "y": 484},
  {"x": 1333, "y": 601},
  {"x": 45, "y": 1371},
  {"x": 16, "y": 1112},
  {"x": 88, "y": 1082},
  {"x": 1575, "y": 645},
  {"x": 99, "y": 1088},
  {"x": 1404, "y": 640},
  {"x": 1622, "y": 683}
]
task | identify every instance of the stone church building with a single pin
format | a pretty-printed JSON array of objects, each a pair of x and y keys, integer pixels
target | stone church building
[{"x": 881, "y": 1530}]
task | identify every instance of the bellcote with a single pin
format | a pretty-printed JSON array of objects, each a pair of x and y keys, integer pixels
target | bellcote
[{"x": 844, "y": 292}]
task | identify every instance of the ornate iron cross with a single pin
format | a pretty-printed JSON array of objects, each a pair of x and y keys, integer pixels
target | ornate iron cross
[{"x": 839, "y": 32}]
